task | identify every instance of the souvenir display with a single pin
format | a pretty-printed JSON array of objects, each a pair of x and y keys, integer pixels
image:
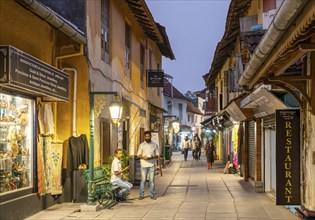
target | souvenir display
[{"x": 16, "y": 142}]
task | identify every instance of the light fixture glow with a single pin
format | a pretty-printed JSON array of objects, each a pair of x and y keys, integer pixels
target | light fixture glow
[
  {"x": 176, "y": 127},
  {"x": 115, "y": 109}
]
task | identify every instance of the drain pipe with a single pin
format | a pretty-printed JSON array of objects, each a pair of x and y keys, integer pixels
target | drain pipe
[
  {"x": 74, "y": 118},
  {"x": 74, "y": 109},
  {"x": 282, "y": 21}
]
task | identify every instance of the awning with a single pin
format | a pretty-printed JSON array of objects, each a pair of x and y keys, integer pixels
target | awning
[
  {"x": 236, "y": 113},
  {"x": 184, "y": 128},
  {"x": 142, "y": 110},
  {"x": 208, "y": 121},
  {"x": 263, "y": 102},
  {"x": 157, "y": 107},
  {"x": 224, "y": 120}
]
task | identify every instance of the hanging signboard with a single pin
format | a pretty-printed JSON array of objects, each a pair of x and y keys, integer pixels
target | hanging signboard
[
  {"x": 155, "y": 78},
  {"x": 26, "y": 73},
  {"x": 288, "y": 157}
]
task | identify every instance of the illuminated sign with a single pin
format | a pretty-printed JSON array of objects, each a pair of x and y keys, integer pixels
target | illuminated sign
[
  {"x": 21, "y": 71},
  {"x": 288, "y": 157}
]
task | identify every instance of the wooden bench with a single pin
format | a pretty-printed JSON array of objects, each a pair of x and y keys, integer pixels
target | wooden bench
[{"x": 102, "y": 188}]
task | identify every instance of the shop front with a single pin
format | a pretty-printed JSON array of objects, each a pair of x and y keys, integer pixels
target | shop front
[
  {"x": 17, "y": 143},
  {"x": 25, "y": 130},
  {"x": 264, "y": 101}
]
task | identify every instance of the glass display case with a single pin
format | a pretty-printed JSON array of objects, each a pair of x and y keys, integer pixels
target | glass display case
[{"x": 16, "y": 143}]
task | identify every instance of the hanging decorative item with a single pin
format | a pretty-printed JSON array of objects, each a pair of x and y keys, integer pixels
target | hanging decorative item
[{"x": 99, "y": 103}]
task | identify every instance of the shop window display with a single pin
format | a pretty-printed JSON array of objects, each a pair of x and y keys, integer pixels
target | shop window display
[{"x": 16, "y": 142}]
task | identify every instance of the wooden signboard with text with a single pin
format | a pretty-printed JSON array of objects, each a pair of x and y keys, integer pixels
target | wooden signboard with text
[{"x": 288, "y": 157}]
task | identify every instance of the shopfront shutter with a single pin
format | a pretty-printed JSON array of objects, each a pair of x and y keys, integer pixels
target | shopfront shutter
[
  {"x": 269, "y": 122},
  {"x": 251, "y": 149}
]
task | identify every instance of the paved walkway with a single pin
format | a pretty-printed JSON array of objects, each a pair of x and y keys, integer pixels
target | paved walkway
[{"x": 187, "y": 190}]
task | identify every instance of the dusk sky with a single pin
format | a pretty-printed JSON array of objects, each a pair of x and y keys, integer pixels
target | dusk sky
[{"x": 194, "y": 28}]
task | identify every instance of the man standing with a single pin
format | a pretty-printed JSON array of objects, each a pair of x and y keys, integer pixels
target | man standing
[
  {"x": 148, "y": 152},
  {"x": 186, "y": 146},
  {"x": 117, "y": 175}
]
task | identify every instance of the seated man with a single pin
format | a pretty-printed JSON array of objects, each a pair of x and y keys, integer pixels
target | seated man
[{"x": 117, "y": 176}]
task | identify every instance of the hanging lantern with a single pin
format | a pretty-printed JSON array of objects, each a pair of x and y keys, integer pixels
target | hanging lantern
[
  {"x": 115, "y": 109},
  {"x": 176, "y": 127}
]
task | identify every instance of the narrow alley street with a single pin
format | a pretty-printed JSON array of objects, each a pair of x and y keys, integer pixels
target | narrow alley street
[{"x": 187, "y": 190}]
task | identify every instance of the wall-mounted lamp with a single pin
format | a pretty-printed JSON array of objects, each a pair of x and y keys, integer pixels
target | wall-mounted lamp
[
  {"x": 115, "y": 109},
  {"x": 176, "y": 126}
]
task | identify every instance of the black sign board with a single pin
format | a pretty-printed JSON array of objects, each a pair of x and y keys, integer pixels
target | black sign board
[
  {"x": 288, "y": 157},
  {"x": 21, "y": 71},
  {"x": 155, "y": 78}
]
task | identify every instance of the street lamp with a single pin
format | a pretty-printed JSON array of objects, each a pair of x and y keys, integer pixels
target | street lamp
[
  {"x": 115, "y": 112},
  {"x": 176, "y": 127},
  {"x": 115, "y": 109}
]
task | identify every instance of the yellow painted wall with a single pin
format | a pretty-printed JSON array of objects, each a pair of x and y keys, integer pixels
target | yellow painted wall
[
  {"x": 113, "y": 76},
  {"x": 65, "y": 113},
  {"x": 22, "y": 29},
  {"x": 27, "y": 32}
]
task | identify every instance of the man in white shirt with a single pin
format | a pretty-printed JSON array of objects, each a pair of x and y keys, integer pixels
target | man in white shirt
[
  {"x": 148, "y": 152},
  {"x": 186, "y": 146},
  {"x": 117, "y": 175}
]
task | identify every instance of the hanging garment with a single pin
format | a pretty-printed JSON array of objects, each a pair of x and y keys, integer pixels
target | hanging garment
[
  {"x": 40, "y": 116},
  {"x": 49, "y": 119},
  {"x": 46, "y": 120},
  {"x": 55, "y": 164},
  {"x": 78, "y": 153}
]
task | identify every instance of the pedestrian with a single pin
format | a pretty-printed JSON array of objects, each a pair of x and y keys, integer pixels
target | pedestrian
[
  {"x": 209, "y": 153},
  {"x": 197, "y": 143},
  {"x": 148, "y": 152},
  {"x": 186, "y": 145},
  {"x": 118, "y": 176},
  {"x": 306, "y": 214}
]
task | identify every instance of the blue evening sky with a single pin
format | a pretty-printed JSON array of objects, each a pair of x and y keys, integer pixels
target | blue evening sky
[{"x": 194, "y": 28}]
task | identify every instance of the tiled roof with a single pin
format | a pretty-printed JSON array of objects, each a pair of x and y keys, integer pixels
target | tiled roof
[
  {"x": 237, "y": 9},
  {"x": 153, "y": 30},
  {"x": 193, "y": 109},
  {"x": 167, "y": 91},
  {"x": 251, "y": 39}
]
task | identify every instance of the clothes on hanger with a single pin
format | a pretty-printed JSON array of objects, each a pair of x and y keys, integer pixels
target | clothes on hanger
[{"x": 78, "y": 153}]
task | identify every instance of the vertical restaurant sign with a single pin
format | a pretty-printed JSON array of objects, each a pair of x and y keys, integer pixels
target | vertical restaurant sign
[
  {"x": 22, "y": 71},
  {"x": 288, "y": 157}
]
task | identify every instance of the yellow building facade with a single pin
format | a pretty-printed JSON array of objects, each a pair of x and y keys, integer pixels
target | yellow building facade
[{"x": 45, "y": 46}]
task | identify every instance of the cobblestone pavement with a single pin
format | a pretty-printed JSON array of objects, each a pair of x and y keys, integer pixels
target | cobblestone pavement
[{"x": 187, "y": 190}]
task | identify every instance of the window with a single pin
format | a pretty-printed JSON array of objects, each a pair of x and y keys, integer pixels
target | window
[
  {"x": 127, "y": 49},
  {"x": 169, "y": 107},
  {"x": 17, "y": 161},
  {"x": 105, "y": 30},
  {"x": 188, "y": 118},
  {"x": 142, "y": 58},
  {"x": 180, "y": 110}
]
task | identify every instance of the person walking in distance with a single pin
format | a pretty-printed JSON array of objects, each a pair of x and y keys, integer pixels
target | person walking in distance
[
  {"x": 209, "y": 153},
  {"x": 197, "y": 143},
  {"x": 148, "y": 152},
  {"x": 193, "y": 147},
  {"x": 186, "y": 146},
  {"x": 117, "y": 176}
]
